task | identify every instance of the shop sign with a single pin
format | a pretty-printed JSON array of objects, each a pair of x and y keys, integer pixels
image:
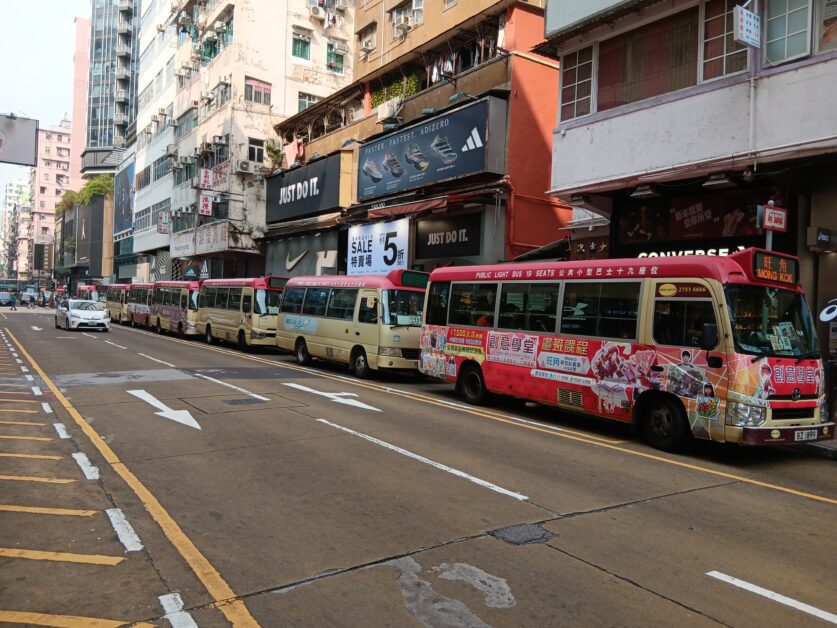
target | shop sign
[
  {"x": 437, "y": 149},
  {"x": 721, "y": 252},
  {"x": 205, "y": 179},
  {"x": 378, "y": 248},
  {"x": 163, "y": 222},
  {"x": 775, "y": 218},
  {"x": 450, "y": 236},
  {"x": 829, "y": 312},
  {"x": 220, "y": 176},
  {"x": 303, "y": 191},
  {"x": 821, "y": 239},
  {"x": 183, "y": 243},
  {"x": 205, "y": 205},
  {"x": 303, "y": 255},
  {"x": 211, "y": 238},
  {"x": 746, "y": 27}
]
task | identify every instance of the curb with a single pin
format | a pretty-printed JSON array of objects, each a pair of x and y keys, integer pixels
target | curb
[{"x": 822, "y": 451}]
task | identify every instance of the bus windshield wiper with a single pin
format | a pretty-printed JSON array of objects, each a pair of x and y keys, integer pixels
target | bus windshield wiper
[
  {"x": 807, "y": 355},
  {"x": 759, "y": 356}
]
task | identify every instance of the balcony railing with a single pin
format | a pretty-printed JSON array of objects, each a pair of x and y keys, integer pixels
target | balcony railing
[
  {"x": 123, "y": 51},
  {"x": 121, "y": 95},
  {"x": 122, "y": 74},
  {"x": 126, "y": 5}
]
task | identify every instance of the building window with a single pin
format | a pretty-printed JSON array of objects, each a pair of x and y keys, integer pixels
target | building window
[
  {"x": 367, "y": 38},
  {"x": 42, "y": 204},
  {"x": 577, "y": 83},
  {"x": 49, "y": 136},
  {"x": 788, "y": 23},
  {"x": 398, "y": 15},
  {"x": 722, "y": 55},
  {"x": 255, "y": 150},
  {"x": 449, "y": 3},
  {"x": 256, "y": 91},
  {"x": 306, "y": 100},
  {"x": 334, "y": 60},
  {"x": 142, "y": 179},
  {"x": 301, "y": 46},
  {"x": 47, "y": 150},
  {"x": 223, "y": 93},
  {"x": 186, "y": 123},
  {"x": 43, "y": 189},
  {"x": 46, "y": 176},
  {"x": 418, "y": 12}
]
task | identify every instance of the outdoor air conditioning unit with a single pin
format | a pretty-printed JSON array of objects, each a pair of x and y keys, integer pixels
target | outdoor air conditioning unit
[
  {"x": 176, "y": 165},
  {"x": 155, "y": 119},
  {"x": 219, "y": 27},
  {"x": 184, "y": 160},
  {"x": 161, "y": 28},
  {"x": 341, "y": 5},
  {"x": 172, "y": 122},
  {"x": 196, "y": 182},
  {"x": 219, "y": 140},
  {"x": 316, "y": 13},
  {"x": 162, "y": 112},
  {"x": 403, "y": 22},
  {"x": 206, "y": 147},
  {"x": 225, "y": 79},
  {"x": 180, "y": 74},
  {"x": 244, "y": 166},
  {"x": 389, "y": 109},
  {"x": 340, "y": 48},
  {"x": 367, "y": 45},
  {"x": 207, "y": 96},
  {"x": 183, "y": 19},
  {"x": 210, "y": 36},
  {"x": 171, "y": 150}
]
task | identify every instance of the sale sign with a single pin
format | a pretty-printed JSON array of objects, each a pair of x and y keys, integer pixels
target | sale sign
[{"x": 378, "y": 248}]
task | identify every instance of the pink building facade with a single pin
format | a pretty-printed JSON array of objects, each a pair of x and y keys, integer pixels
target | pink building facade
[{"x": 81, "y": 64}]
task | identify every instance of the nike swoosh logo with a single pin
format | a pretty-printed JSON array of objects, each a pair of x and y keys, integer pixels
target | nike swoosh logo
[{"x": 290, "y": 263}]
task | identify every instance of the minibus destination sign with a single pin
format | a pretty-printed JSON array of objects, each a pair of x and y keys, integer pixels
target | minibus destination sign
[{"x": 777, "y": 268}]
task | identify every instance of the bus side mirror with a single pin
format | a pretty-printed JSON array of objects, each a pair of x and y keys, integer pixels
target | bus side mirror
[
  {"x": 709, "y": 339},
  {"x": 371, "y": 303}
]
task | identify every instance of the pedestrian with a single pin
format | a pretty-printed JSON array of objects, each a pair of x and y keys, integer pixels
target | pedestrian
[{"x": 14, "y": 301}]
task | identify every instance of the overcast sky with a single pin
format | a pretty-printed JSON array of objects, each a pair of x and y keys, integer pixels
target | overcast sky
[{"x": 36, "y": 63}]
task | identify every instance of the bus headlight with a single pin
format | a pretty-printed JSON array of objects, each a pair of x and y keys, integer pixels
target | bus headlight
[
  {"x": 391, "y": 352},
  {"x": 744, "y": 415},
  {"x": 257, "y": 335},
  {"x": 824, "y": 415}
]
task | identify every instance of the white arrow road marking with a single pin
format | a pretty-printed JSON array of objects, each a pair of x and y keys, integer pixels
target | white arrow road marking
[
  {"x": 776, "y": 597},
  {"x": 180, "y": 416},
  {"x": 336, "y": 397},
  {"x": 432, "y": 463},
  {"x": 90, "y": 472},
  {"x": 114, "y": 344},
  {"x": 218, "y": 381},
  {"x": 175, "y": 614},
  {"x": 156, "y": 360},
  {"x": 37, "y": 328},
  {"x": 124, "y": 530},
  {"x": 84, "y": 333}
]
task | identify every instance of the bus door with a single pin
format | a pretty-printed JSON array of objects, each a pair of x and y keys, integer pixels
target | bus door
[
  {"x": 684, "y": 325},
  {"x": 247, "y": 311},
  {"x": 368, "y": 317}
]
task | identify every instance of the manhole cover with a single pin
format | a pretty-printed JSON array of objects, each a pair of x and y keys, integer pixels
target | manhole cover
[
  {"x": 242, "y": 402},
  {"x": 523, "y": 534}
]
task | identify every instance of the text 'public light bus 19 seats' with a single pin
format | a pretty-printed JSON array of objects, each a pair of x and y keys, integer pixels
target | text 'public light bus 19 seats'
[
  {"x": 368, "y": 322},
  {"x": 116, "y": 301},
  {"x": 722, "y": 348},
  {"x": 139, "y": 303},
  {"x": 174, "y": 307},
  {"x": 240, "y": 310}
]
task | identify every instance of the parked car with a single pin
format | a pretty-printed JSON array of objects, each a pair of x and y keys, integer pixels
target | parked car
[
  {"x": 5, "y": 298},
  {"x": 82, "y": 314}
]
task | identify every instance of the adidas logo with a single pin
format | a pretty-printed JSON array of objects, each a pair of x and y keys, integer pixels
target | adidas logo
[{"x": 474, "y": 141}]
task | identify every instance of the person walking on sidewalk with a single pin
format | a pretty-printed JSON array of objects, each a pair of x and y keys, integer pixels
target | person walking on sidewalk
[{"x": 14, "y": 301}]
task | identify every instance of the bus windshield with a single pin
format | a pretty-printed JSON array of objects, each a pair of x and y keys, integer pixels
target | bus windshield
[
  {"x": 193, "y": 300},
  {"x": 267, "y": 301},
  {"x": 403, "y": 307},
  {"x": 770, "y": 321}
]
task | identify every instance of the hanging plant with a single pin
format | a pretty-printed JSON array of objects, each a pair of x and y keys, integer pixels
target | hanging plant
[{"x": 400, "y": 86}]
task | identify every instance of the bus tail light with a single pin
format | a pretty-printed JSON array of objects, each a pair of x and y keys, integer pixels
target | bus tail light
[
  {"x": 392, "y": 352},
  {"x": 743, "y": 415}
]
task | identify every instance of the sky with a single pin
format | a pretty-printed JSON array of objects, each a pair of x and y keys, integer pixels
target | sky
[{"x": 36, "y": 63}]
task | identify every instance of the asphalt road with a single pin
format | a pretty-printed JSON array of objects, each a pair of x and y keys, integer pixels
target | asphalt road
[{"x": 242, "y": 488}]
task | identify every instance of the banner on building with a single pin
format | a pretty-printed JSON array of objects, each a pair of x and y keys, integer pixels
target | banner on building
[
  {"x": 307, "y": 254},
  {"x": 205, "y": 205},
  {"x": 163, "y": 222},
  {"x": 211, "y": 238},
  {"x": 378, "y": 248},
  {"x": 18, "y": 140},
  {"x": 309, "y": 189},
  {"x": 450, "y": 236}
]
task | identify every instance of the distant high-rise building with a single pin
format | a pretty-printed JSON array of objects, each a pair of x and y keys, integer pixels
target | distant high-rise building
[
  {"x": 15, "y": 193},
  {"x": 112, "y": 84},
  {"x": 81, "y": 76}
]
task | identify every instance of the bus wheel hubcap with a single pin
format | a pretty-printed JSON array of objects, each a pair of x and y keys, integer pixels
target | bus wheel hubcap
[{"x": 661, "y": 421}]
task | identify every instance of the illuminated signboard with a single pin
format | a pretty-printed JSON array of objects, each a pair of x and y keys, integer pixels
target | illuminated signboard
[{"x": 776, "y": 268}]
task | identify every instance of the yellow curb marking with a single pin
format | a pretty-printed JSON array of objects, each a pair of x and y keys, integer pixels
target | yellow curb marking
[
  {"x": 61, "y": 557},
  {"x": 4, "y": 437},
  {"x": 34, "y": 510},
  {"x": 64, "y": 621},
  {"x": 35, "y": 456},
  {"x": 22, "y": 423},
  {"x": 29, "y": 478}
]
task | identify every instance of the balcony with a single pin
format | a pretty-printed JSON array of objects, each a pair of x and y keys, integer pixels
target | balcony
[
  {"x": 122, "y": 74},
  {"x": 123, "y": 51},
  {"x": 121, "y": 95},
  {"x": 124, "y": 27},
  {"x": 120, "y": 118},
  {"x": 126, "y": 6}
]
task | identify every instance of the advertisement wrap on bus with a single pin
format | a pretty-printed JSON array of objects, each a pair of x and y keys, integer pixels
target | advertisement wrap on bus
[
  {"x": 720, "y": 348},
  {"x": 174, "y": 307},
  {"x": 139, "y": 303}
]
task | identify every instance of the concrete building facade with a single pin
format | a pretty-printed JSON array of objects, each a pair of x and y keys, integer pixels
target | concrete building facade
[
  {"x": 81, "y": 77},
  {"x": 15, "y": 194}
]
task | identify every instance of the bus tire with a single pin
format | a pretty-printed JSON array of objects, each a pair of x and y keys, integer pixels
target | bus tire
[
  {"x": 664, "y": 423},
  {"x": 180, "y": 330},
  {"x": 158, "y": 328},
  {"x": 242, "y": 341},
  {"x": 360, "y": 364},
  {"x": 133, "y": 323},
  {"x": 471, "y": 385},
  {"x": 56, "y": 323},
  {"x": 208, "y": 336},
  {"x": 302, "y": 355}
]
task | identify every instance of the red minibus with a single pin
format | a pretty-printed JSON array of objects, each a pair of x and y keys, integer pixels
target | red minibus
[
  {"x": 139, "y": 303},
  {"x": 174, "y": 307},
  {"x": 720, "y": 348}
]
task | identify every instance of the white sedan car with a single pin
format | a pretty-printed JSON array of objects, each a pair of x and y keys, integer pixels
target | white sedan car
[{"x": 82, "y": 314}]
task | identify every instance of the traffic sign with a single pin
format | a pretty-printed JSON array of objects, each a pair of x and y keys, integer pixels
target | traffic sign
[{"x": 775, "y": 218}]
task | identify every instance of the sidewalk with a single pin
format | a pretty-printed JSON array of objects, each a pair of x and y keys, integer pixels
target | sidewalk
[{"x": 824, "y": 449}]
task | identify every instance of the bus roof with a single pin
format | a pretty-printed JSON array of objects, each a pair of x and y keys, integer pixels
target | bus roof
[
  {"x": 140, "y": 285},
  {"x": 393, "y": 279},
  {"x": 122, "y": 286},
  {"x": 271, "y": 282},
  {"x": 750, "y": 266},
  {"x": 191, "y": 285}
]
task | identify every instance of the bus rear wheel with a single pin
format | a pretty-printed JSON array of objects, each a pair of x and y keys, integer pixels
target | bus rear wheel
[
  {"x": 180, "y": 330},
  {"x": 665, "y": 426},
  {"x": 158, "y": 328},
  {"x": 471, "y": 384},
  {"x": 360, "y": 364},
  {"x": 302, "y": 355},
  {"x": 133, "y": 322}
]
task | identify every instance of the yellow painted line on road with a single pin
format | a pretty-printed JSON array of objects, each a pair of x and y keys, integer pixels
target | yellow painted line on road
[
  {"x": 61, "y": 557},
  {"x": 33, "y": 424},
  {"x": 577, "y": 437},
  {"x": 35, "y": 510},
  {"x": 20, "y": 411},
  {"x": 34, "y": 456},
  {"x": 19, "y": 400},
  {"x": 222, "y": 594},
  {"x": 4, "y": 437},
  {"x": 9, "y": 392},
  {"x": 28, "y": 478},
  {"x": 64, "y": 621}
]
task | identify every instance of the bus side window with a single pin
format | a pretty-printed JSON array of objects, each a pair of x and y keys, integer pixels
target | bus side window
[
  {"x": 680, "y": 323},
  {"x": 437, "y": 303},
  {"x": 366, "y": 314},
  {"x": 234, "y": 302},
  {"x": 292, "y": 300},
  {"x": 247, "y": 303},
  {"x": 184, "y": 301}
]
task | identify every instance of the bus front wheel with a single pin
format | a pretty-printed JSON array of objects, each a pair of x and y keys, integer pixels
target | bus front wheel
[
  {"x": 665, "y": 426},
  {"x": 208, "y": 335},
  {"x": 302, "y": 355},
  {"x": 472, "y": 385},
  {"x": 242, "y": 341},
  {"x": 360, "y": 364}
]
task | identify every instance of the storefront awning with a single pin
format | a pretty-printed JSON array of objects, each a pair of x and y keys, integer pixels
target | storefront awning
[
  {"x": 406, "y": 209},
  {"x": 323, "y": 221},
  {"x": 558, "y": 250}
]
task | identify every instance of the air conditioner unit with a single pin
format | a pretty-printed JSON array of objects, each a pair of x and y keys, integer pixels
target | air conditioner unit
[
  {"x": 196, "y": 56},
  {"x": 180, "y": 74},
  {"x": 196, "y": 103},
  {"x": 340, "y": 48},
  {"x": 155, "y": 119},
  {"x": 176, "y": 165},
  {"x": 210, "y": 36},
  {"x": 172, "y": 122},
  {"x": 196, "y": 182},
  {"x": 184, "y": 160},
  {"x": 316, "y": 13},
  {"x": 162, "y": 112},
  {"x": 161, "y": 28},
  {"x": 225, "y": 79},
  {"x": 367, "y": 45},
  {"x": 206, "y": 147},
  {"x": 207, "y": 95},
  {"x": 341, "y": 5},
  {"x": 389, "y": 109},
  {"x": 183, "y": 19},
  {"x": 244, "y": 166},
  {"x": 171, "y": 150},
  {"x": 403, "y": 22},
  {"x": 219, "y": 27},
  {"x": 219, "y": 140}
]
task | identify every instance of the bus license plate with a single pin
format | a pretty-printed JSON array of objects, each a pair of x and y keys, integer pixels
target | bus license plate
[{"x": 805, "y": 435}]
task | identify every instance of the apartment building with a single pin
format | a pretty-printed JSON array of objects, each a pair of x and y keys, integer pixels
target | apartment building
[
  {"x": 81, "y": 76},
  {"x": 437, "y": 153},
  {"x": 112, "y": 83},
  {"x": 15, "y": 193},
  {"x": 673, "y": 129}
]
